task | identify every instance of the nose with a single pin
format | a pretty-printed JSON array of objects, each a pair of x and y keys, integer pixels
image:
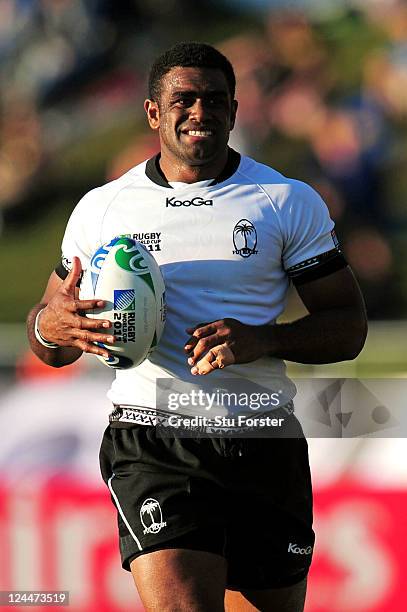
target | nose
[{"x": 198, "y": 111}]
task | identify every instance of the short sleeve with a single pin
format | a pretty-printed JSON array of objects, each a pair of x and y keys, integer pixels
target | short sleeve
[
  {"x": 81, "y": 235},
  {"x": 308, "y": 230}
]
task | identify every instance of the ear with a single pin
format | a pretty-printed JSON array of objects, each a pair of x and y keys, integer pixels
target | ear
[
  {"x": 233, "y": 114},
  {"x": 153, "y": 114}
]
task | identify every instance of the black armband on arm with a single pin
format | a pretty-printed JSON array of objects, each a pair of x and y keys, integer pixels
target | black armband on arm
[
  {"x": 62, "y": 271},
  {"x": 317, "y": 267}
]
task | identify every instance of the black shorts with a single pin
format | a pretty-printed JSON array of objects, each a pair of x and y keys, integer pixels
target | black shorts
[{"x": 249, "y": 500}]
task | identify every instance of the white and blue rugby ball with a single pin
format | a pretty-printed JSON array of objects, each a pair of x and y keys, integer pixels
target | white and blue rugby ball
[{"x": 126, "y": 276}]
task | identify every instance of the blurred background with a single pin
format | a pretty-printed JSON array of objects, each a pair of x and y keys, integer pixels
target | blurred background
[{"x": 322, "y": 88}]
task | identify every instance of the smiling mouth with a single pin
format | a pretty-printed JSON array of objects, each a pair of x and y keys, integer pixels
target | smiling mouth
[{"x": 199, "y": 133}]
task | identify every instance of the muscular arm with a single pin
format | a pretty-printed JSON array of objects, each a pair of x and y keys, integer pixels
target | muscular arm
[
  {"x": 334, "y": 330},
  {"x": 63, "y": 323}
]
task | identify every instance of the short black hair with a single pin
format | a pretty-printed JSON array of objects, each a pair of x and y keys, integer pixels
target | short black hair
[{"x": 189, "y": 55}]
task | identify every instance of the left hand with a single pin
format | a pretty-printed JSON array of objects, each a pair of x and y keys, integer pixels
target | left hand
[{"x": 222, "y": 343}]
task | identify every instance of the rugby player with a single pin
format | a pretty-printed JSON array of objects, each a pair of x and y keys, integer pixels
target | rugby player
[{"x": 208, "y": 524}]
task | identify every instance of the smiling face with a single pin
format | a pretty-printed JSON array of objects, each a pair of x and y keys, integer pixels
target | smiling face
[{"x": 194, "y": 116}]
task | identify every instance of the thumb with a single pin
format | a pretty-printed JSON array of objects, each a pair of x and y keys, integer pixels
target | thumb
[
  {"x": 224, "y": 356},
  {"x": 71, "y": 280}
]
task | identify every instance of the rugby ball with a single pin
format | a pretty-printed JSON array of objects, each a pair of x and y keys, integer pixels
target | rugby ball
[{"x": 126, "y": 276}]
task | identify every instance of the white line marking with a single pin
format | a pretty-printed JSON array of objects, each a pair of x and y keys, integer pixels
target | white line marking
[{"x": 133, "y": 535}]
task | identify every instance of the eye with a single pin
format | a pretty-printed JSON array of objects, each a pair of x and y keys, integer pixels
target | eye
[
  {"x": 184, "y": 101},
  {"x": 215, "y": 100}
]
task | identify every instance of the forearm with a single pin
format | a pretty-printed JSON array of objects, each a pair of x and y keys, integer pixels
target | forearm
[
  {"x": 56, "y": 358},
  {"x": 335, "y": 330},
  {"x": 322, "y": 337}
]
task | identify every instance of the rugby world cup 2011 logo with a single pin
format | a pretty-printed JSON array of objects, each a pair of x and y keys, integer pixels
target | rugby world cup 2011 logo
[
  {"x": 151, "y": 516},
  {"x": 244, "y": 238},
  {"x": 124, "y": 299}
]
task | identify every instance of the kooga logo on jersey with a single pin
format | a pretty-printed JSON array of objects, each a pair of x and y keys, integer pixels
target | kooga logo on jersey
[{"x": 194, "y": 202}]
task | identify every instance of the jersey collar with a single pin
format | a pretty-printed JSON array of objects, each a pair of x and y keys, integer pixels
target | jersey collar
[{"x": 155, "y": 174}]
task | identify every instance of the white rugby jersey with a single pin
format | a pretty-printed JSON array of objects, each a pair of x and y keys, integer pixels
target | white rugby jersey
[{"x": 226, "y": 248}]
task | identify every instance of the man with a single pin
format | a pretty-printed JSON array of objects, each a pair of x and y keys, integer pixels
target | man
[{"x": 230, "y": 520}]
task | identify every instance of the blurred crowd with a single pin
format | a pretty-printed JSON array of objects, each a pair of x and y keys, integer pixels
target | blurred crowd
[{"x": 323, "y": 97}]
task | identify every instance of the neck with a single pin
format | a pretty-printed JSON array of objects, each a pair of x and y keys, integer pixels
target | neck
[{"x": 177, "y": 170}]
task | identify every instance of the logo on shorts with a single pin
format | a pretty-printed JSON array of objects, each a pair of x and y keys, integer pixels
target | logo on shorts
[
  {"x": 244, "y": 238},
  {"x": 151, "y": 516},
  {"x": 294, "y": 548}
]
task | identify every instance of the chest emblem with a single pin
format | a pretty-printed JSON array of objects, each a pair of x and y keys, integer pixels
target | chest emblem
[{"x": 244, "y": 238}]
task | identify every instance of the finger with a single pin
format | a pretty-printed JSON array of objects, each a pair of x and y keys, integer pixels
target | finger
[
  {"x": 88, "y": 323},
  {"x": 190, "y": 330},
  {"x": 87, "y": 336},
  {"x": 218, "y": 357},
  {"x": 202, "y": 347},
  {"x": 190, "y": 344},
  {"x": 200, "y": 331},
  {"x": 205, "y": 365},
  {"x": 89, "y": 304},
  {"x": 71, "y": 280},
  {"x": 192, "y": 341},
  {"x": 203, "y": 330},
  {"x": 95, "y": 349}
]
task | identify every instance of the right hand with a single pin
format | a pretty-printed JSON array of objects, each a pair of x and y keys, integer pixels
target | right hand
[{"x": 62, "y": 320}]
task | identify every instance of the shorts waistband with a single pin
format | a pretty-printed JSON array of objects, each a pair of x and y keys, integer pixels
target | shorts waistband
[{"x": 142, "y": 415}]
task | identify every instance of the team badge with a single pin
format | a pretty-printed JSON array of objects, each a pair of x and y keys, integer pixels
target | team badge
[
  {"x": 151, "y": 516},
  {"x": 244, "y": 238}
]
